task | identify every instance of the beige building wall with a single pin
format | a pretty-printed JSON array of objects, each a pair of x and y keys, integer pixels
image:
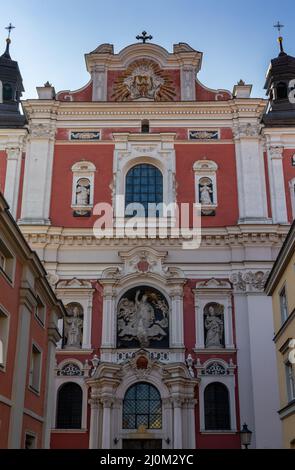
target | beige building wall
[{"x": 284, "y": 333}]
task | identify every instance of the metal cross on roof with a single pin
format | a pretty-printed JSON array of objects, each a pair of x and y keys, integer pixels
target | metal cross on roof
[
  {"x": 144, "y": 37},
  {"x": 9, "y": 28},
  {"x": 279, "y": 26}
]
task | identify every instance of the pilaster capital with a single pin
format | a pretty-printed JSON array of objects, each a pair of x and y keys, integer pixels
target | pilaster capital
[
  {"x": 42, "y": 130},
  {"x": 275, "y": 151},
  {"x": 246, "y": 130}
]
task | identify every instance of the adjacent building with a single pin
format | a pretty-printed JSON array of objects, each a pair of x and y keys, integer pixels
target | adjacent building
[
  {"x": 162, "y": 346},
  {"x": 29, "y": 312},
  {"x": 280, "y": 285}
]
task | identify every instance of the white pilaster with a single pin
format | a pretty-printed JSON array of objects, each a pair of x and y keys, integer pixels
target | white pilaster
[
  {"x": 188, "y": 83},
  {"x": 38, "y": 174},
  {"x": 176, "y": 321},
  {"x": 94, "y": 424},
  {"x": 250, "y": 173},
  {"x": 106, "y": 424},
  {"x": 19, "y": 380},
  {"x": 108, "y": 339},
  {"x": 277, "y": 184},
  {"x": 12, "y": 180},
  {"x": 177, "y": 424},
  {"x": 99, "y": 83}
]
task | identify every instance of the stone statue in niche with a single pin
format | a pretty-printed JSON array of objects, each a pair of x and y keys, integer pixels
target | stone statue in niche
[
  {"x": 83, "y": 192},
  {"x": 214, "y": 326},
  {"x": 74, "y": 327},
  {"x": 142, "y": 319},
  {"x": 206, "y": 192}
]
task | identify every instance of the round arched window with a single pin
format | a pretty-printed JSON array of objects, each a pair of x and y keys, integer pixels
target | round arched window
[
  {"x": 69, "y": 406},
  {"x": 144, "y": 185},
  {"x": 216, "y": 403},
  {"x": 142, "y": 406}
]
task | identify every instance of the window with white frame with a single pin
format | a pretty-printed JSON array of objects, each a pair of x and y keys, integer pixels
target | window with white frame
[
  {"x": 40, "y": 310},
  {"x": 292, "y": 193},
  {"x": 35, "y": 368},
  {"x": 283, "y": 304},
  {"x": 206, "y": 185},
  {"x": 30, "y": 440},
  {"x": 83, "y": 187},
  {"x": 7, "y": 260},
  {"x": 290, "y": 378},
  {"x": 4, "y": 335}
]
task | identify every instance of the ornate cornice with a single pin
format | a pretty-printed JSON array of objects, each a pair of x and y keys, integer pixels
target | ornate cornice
[{"x": 268, "y": 235}]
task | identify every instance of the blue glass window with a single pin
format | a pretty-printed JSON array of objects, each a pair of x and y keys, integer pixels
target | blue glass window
[{"x": 144, "y": 185}]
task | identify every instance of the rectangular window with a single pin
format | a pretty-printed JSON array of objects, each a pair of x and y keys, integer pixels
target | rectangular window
[
  {"x": 30, "y": 441},
  {"x": 6, "y": 261},
  {"x": 40, "y": 311},
  {"x": 283, "y": 305},
  {"x": 35, "y": 369},
  {"x": 290, "y": 377},
  {"x": 4, "y": 330}
]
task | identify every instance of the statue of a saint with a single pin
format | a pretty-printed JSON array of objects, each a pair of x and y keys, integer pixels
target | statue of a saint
[
  {"x": 205, "y": 194},
  {"x": 214, "y": 329},
  {"x": 73, "y": 327},
  {"x": 82, "y": 195}
]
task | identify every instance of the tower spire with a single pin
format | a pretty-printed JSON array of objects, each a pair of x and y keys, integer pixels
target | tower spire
[
  {"x": 6, "y": 54},
  {"x": 279, "y": 26}
]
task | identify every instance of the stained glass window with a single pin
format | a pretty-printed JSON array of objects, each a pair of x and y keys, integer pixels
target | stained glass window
[{"x": 142, "y": 407}]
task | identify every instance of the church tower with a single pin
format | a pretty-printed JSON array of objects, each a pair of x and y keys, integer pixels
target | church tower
[
  {"x": 11, "y": 88},
  {"x": 280, "y": 86}
]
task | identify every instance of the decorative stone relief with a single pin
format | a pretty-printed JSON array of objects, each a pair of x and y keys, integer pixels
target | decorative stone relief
[
  {"x": 249, "y": 281},
  {"x": 246, "y": 129},
  {"x": 73, "y": 331},
  {"x": 44, "y": 131}
]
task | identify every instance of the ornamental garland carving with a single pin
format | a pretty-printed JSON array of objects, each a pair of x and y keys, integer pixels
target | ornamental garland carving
[
  {"x": 143, "y": 80},
  {"x": 249, "y": 281},
  {"x": 246, "y": 129}
]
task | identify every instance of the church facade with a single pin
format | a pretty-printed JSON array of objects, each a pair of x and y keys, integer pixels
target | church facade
[{"x": 163, "y": 346}]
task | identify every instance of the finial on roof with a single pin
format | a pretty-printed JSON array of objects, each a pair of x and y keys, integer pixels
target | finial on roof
[
  {"x": 279, "y": 26},
  {"x": 144, "y": 37},
  {"x": 8, "y": 41}
]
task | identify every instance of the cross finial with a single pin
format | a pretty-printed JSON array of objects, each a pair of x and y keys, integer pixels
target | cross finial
[
  {"x": 144, "y": 37},
  {"x": 9, "y": 28},
  {"x": 280, "y": 26}
]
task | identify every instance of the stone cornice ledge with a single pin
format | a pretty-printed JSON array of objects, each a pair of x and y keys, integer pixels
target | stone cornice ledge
[{"x": 243, "y": 235}]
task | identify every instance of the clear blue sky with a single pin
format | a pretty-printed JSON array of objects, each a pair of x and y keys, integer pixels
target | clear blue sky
[{"x": 236, "y": 36}]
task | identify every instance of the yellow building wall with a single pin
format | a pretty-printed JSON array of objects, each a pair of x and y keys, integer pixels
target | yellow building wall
[{"x": 287, "y": 279}]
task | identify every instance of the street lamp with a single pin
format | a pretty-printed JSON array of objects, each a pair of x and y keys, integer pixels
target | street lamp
[{"x": 246, "y": 436}]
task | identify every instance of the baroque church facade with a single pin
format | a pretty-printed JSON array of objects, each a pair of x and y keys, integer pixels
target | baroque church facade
[{"x": 162, "y": 347}]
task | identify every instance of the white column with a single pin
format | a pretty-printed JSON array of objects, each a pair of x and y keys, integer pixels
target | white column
[
  {"x": 177, "y": 422},
  {"x": 199, "y": 326},
  {"x": 94, "y": 424},
  {"x": 38, "y": 174},
  {"x": 228, "y": 327},
  {"x": 106, "y": 423},
  {"x": 277, "y": 184},
  {"x": 12, "y": 179},
  {"x": 176, "y": 321},
  {"x": 99, "y": 83},
  {"x": 250, "y": 173}
]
